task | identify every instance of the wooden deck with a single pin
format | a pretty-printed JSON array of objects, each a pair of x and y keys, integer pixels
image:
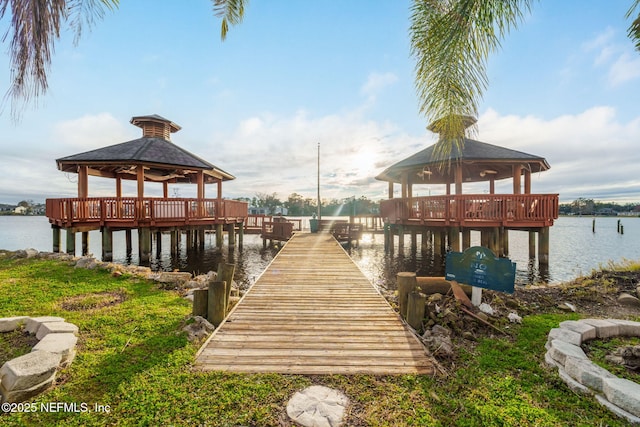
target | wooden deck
[{"x": 313, "y": 312}]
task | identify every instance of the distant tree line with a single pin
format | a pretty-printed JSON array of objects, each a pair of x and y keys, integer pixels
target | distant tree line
[
  {"x": 583, "y": 206},
  {"x": 298, "y": 205}
]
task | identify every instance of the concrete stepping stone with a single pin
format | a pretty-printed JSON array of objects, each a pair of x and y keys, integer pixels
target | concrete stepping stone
[
  {"x": 34, "y": 323},
  {"x": 318, "y": 406},
  {"x": 56, "y": 328}
]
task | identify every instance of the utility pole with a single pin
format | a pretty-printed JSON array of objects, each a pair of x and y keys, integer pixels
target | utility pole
[{"x": 319, "y": 214}]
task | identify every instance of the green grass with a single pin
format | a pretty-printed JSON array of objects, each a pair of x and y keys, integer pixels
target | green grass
[{"x": 132, "y": 357}]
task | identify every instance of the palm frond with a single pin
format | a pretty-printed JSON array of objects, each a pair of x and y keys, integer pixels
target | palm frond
[
  {"x": 634, "y": 28},
  {"x": 83, "y": 14},
  {"x": 231, "y": 12},
  {"x": 451, "y": 41},
  {"x": 32, "y": 33}
]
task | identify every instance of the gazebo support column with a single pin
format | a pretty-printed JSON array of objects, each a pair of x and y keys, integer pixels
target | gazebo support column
[
  {"x": 504, "y": 238},
  {"x": 201, "y": 239},
  {"x": 219, "y": 236},
  {"x": 144, "y": 244},
  {"x": 543, "y": 246},
  {"x": 532, "y": 244},
  {"x": 424, "y": 242},
  {"x": 127, "y": 238},
  {"x": 240, "y": 234},
  {"x": 71, "y": 242},
  {"x": 231, "y": 232},
  {"x": 158, "y": 243},
  {"x": 414, "y": 241},
  {"x": 56, "y": 238},
  {"x": 174, "y": 241},
  {"x": 454, "y": 239},
  {"x": 400, "y": 238},
  {"x": 107, "y": 244},
  {"x": 466, "y": 238},
  {"x": 85, "y": 243}
]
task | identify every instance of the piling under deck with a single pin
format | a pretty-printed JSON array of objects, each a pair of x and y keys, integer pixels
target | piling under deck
[{"x": 313, "y": 312}]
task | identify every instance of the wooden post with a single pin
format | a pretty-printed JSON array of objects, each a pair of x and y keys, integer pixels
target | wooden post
[
  {"x": 225, "y": 274},
  {"x": 158, "y": 244},
  {"x": 85, "y": 243},
  {"x": 107, "y": 244},
  {"x": 415, "y": 309},
  {"x": 219, "y": 236},
  {"x": 240, "y": 234},
  {"x": 200, "y": 302},
  {"x": 504, "y": 243},
  {"x": 466, "y": 238},
  {"x": 174, "y": 242},
  {"x": 201, "y": 239},
  {"x": 400, "y": 238},
  {"x": 216, "y": 310},
  {"x": 543, "y": 246},
  {"x": 532, "y": 244},
  {"x": 414, "y": 241},
  {"x": 424, "y": 242},
  {"x": 437, "y": 243},
  {"x": 454, "y": 239},
  {"x": 231, "y": 233},
  {"x": 127, "y": 234},
  {"x": 406, "y": 283},
  {"x": 144, "y": 244},
  {"x": 56, "y": 238},
  {"x": 71, "y": 242}
]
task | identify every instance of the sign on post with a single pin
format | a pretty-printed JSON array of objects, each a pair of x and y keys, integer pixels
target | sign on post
[{"x": 479, "y": 267}]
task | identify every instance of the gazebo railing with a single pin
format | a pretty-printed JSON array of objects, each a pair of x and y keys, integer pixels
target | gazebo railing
[
  {"x": 470, "y": 208},
  {"x": 130, "y": 209}
]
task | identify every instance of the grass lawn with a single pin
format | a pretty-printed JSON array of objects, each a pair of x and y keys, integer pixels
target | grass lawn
[{"x": 133, "y": 359}]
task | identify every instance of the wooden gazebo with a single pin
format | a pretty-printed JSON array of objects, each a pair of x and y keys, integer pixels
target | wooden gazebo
[
  {"x": 447, "y": 216},
  {"x": 151, "y": 158}
]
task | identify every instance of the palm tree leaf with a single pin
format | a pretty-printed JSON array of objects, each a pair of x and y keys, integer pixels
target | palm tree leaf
[
  {"x": 451, "y": 41},
  {"x": 231, "y": 12},
  {"x": 634, "y": 28}
]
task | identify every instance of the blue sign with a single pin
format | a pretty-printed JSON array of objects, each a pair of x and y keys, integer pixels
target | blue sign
[{"x": 478, "y": 266}]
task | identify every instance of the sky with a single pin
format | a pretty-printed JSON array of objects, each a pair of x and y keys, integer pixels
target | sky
[{"x": 338, "y": 75}]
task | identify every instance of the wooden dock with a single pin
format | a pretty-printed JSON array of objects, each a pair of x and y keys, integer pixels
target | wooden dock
[{"x": 313, "y": 312}]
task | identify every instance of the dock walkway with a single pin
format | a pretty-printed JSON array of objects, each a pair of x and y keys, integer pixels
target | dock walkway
[{"x": 313, "y": 312}]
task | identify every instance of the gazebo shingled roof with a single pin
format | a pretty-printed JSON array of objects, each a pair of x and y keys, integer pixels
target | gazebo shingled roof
[
  {"x": 480, "y": 162},
  {"x": 164, "y": 160}
]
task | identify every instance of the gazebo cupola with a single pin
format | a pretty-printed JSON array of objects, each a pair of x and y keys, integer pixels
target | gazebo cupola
[{"x": 155, "y": 126}]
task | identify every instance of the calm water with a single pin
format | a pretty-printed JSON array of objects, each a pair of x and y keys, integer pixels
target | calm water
[{"x": 574, "y": 250}]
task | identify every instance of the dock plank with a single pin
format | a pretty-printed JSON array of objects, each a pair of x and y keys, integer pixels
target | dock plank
[{"x": 312, "y": 312}]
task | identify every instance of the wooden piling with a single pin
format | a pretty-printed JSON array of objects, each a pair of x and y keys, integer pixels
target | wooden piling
[
  {"x": 219, "y": 236},
  {"x": 454, "y": 239},
  {"x": 127, "y": 234},
  {"x": 400, "y": 238},
  {"x": 200, "y": 302},
  {"x": 543, "y": 246},
  {"x": 406, "y": 283},
  {"x": 231, "y": 233},
  {"x": 466, "y": 238},
  {"x": 144, "y": 244},
  {"x": 225, "y": 274},
  {"x": 107, "y": 244},
  {"x": 56, "y": 238},
  {"x": 216, "y": 310},
  {"x": 240, "y": 234},
  {"x": 532, "y": 244},
  {"x": 85, "y": 243},
  {"x": 71, "y": 242},
  {"x": 415, "y": 309}
]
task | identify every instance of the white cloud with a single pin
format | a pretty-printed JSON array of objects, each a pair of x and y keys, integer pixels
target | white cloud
[
  {"x": 91, "y": 131},
  {"x": 376, "y": 82},
  {"x": 624, "y": 69},
  {"x": 591, "y": 154}
]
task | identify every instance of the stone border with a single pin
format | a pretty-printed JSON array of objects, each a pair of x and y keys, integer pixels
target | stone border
[
  {"x": 32, "y": 373},
  {"x": 619, "y": 395}
]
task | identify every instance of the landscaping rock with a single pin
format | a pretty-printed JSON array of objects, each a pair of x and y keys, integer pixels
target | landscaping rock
[
  {"x": 175, "y": 277},
  {"x": 8, "y": 324},
  {"x": 604, "y": 328},
  {"x": 624, "y": 394},
  {"x": 199, "y": 329},
  {"x": 560, "y": 350},
  {"x": 56, "y": 328},
  {"x": 34, "y": 323},
  {"x": 586, "y": 331},
  {"x": 62, "y": 344},
  {"x": 565, "y": 335},
  {"x": 627, "y": 328},
  {"x": 13, "y": 396},
  {"x": 29, "y": 370},
  {"x": 318, "y": 406},
  {"x": 587, "y": 373},
  {"x": 629, "y": 300},
  {"x": 86, "y": 262}
]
